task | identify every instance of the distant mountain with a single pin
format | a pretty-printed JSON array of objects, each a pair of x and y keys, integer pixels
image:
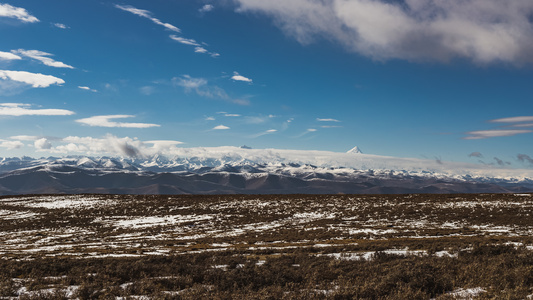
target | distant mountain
[
  {"x": 354, "y": 150},
  {"x": 225, "y": 170}
]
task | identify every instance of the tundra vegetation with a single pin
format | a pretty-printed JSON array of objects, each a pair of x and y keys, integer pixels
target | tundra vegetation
[{"x": 267, "y": 247}]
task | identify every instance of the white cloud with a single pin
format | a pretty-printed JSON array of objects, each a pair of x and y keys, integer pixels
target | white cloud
[
  {"x": 11, "y": 145},
  {"x": 209, "y": 119},
  {"x": 220, "y": 127},
  {"x": 24, "y": 137},
  {"x": 87, "y": 89},
  {"x": 162, "y": 145},
  {"x": 523, "y": 125},
  {"x": 42, "y": 144},
  {"x": 270, "y": 131},
  {"x": 147, "y": 14},
  {"x": 513, "y": 119},
  {"x": 483, "y": 31},
  {"x": 311, "y": 130},
  {"x": 105, "y": 121},
  {"x": 108, "y": 145},
  {"x": 238, "y": 77},
  {"x": 232, "y": 115},
  {"x": 206, "y": 8},
  {"x": 36, "y": 80},
  {"x": 327, "y": 120},
  {"x": 20, "y": 109},
  {"x": 330, "y": 126},
  {"x": 147, "y": 90},
  {"x": 20, "y": 13},
  {"x": 191, "y": 42},
  {"x": 62, "y": 26},
  {"x": 201, "y": 87},
  {"x": 189, "y": 82},
  {"x": 200, "y": 50},
  {"x": 8, "y": 56},
  {"x": 185, "y": 41},
  {"x": 484, "y": 134},
  {"x": 42, "y": 57}
]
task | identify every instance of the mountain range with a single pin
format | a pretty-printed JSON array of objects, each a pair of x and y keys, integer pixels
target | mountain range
[{"x": 226, "y": 170}]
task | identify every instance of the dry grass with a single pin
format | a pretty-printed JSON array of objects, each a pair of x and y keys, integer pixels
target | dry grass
[{"x": 275, "y": 246}]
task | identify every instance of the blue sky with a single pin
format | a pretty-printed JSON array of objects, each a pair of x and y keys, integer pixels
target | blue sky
[{"x": 413, "y": 78}]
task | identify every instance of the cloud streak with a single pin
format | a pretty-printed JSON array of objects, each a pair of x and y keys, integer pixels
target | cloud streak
[
  {"x": 42, "y": 57},
  {"x": 270, "y": 131},
  {"x": 513, "y": 119},
  {"x": 19, "y": 13},
  {"x": 202, "y": 88},
  {"x": 20, "y": 109},
  {"x": 86, "y": 88},
  {"x": 483, "y": 31},
  {"x": 147, "y": 14},
  {"x": 106, "y": 121},
  {"x": 36, "y": 80},
  {"x": 9, "y": 56},
  {"x": 327, "y": 120},
  {"x": 206, "y": 8},
  {"x": 484, "y": 134},
  {"x": 221, "y": 127}
]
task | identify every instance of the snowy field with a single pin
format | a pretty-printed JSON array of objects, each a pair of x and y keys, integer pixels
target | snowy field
[{"x": 339, "y": 227}]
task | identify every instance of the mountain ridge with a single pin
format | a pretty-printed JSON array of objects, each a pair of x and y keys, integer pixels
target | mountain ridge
[{"x": 223, "y": 174}]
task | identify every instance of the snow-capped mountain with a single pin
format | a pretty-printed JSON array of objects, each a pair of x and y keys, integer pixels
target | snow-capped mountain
[
  {"x": 354, "y": 150},
  {"x": 245, "y": 170}
]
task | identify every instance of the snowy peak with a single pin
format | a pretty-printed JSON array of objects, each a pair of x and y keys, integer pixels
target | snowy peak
[{"x": 354, "y": 150}]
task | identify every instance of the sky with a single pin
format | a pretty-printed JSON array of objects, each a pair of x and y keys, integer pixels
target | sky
[{"x": 442, "y": 80}]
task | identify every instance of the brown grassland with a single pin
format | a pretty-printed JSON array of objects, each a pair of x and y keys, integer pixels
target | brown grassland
[{"x": 471, "y": 246}]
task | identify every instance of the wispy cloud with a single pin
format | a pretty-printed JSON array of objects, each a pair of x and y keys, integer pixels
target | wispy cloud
[
  {"x": 161, "y": 145},
  {"x": 522, "y": 125},
  {"x": 209, "y": 119},
  {"x": 42, "y": 57},
  {"x": 501, "y": 162},
  {"x": 524, "y": 158},
  {"x": 330, "y": 126},
  {"x": 9, "y": 56},
  {"x": 484, "y": 134},
  {"x": 308, "y": 131},
  {"x": 237, "y": 77},
  {"x": 221, "y": 127},
  {"x": 19, "y": 13},
  {"x": 198, "y": 48},
  {"x": 24, "y": 137},
  {"x": 147, "y": 14},
  {"x": 62, "y": 26},
  {"x": 225, "y": 114},
  {"x": 483, "y": 31},
  {"x": 185, "y": 41},
  {"x": 105, "y": 121},
  {"x": 86, "y": 88},
  {"x": 475, "y": 154},
  {"x": 201, "y": 87},
  {"x": 270, "y": 131},
  {"x": 36, "y": 80},
  {"x": 327, "y": 120},
  {"x": 20, "y": 109},
  {"x": 513, "y": 119},
  {"x": 206, "y": 8}
]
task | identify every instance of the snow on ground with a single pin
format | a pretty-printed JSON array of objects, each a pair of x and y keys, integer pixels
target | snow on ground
[
  {"x": 55, "y": 202},
  {"x": 143, "y": 222}
]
